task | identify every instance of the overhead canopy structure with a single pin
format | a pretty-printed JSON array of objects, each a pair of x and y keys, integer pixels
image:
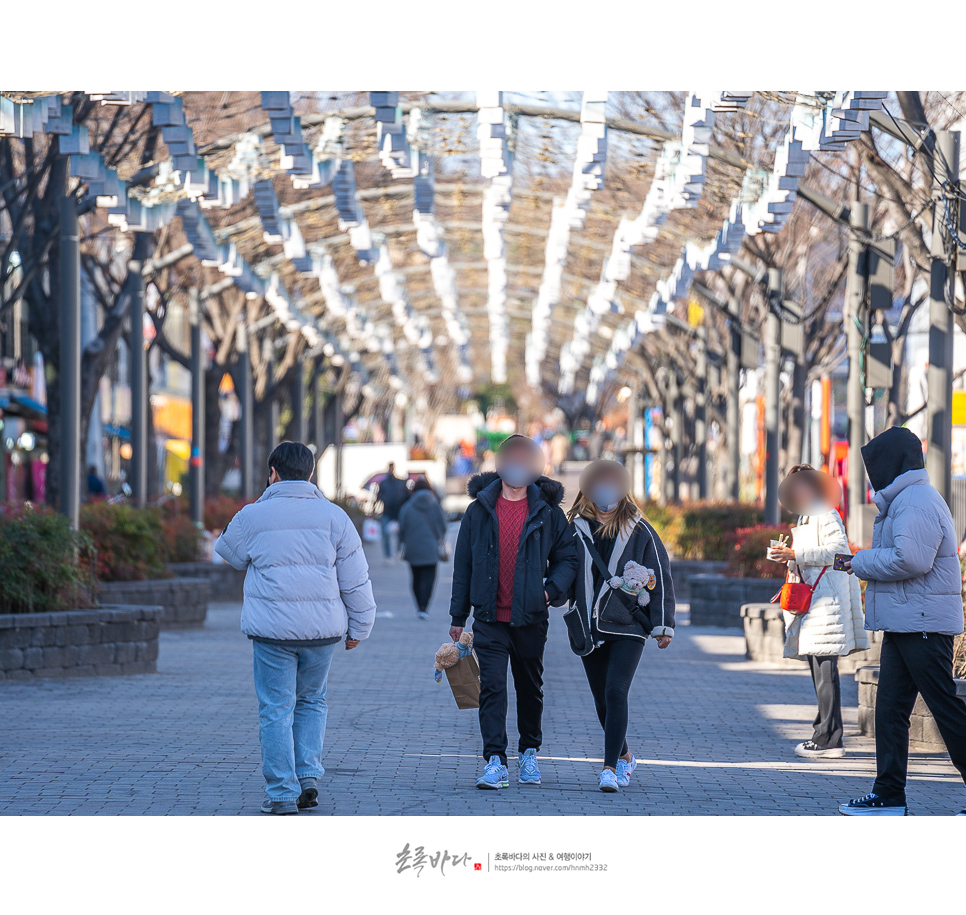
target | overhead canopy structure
[{"x": 440, "y": 242}]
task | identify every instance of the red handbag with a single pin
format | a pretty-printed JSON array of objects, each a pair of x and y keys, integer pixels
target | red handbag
[{"x": 796, "y": 596}]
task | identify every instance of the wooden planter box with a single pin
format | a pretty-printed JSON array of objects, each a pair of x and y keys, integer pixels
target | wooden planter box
[
  {"x": 923, "y": 733},
  {"x": 225, "y": 584},
  {"x": 764, "y": 627},
  {"x": 717, "y": 600},
  {"x": 107, "y": 641},
  {"x": 184, "y": 601},
  {"x": 683, "y": 570}
]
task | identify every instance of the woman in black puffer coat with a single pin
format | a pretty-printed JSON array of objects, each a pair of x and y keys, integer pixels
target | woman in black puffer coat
[{"x": 608, "y": 624}]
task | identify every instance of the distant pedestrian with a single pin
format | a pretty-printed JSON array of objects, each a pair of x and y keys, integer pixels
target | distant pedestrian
[
  {"x": 393, "y": 493},
  {"x": 559, "y": 448},
  {"x": 422, "y": 536},
  {"x": 514, "y": 556},
  {"x": 915, "y": 596},
  {"x": 306, "y": 589},
  {"x": 834, "y": 626},
  {"x": 609, "y": 624},
  {"x": 96, "y": 490}
]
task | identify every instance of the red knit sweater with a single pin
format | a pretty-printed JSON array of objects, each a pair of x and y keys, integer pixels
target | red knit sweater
[{"x": 510, "y": 517}]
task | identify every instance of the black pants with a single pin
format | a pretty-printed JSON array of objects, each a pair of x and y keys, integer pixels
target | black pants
[
  {"x": 911, "y": 664},
  {"x": 827, "y": 727},
  {"x": 610, "y": 668},
  {"x": 496, "y": 643},
  {"x": 424, "y": 578}
]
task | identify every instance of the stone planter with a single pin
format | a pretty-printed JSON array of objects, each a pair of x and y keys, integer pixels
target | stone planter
[
  {"x": 225, "y": 584},
  {"x": 683, "y": 570},
  {"x": 79, "y": 643},
  {"x": 923, "y": 733},
  {"x": 184, "y": 601},
  {"x": 717, "y": 601},
  {"x": 764, "y": 627}
]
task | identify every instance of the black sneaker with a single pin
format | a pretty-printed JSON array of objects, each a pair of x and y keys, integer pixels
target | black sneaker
[
  {"x": 962, "y": 813},
  {"x": 310, "y": 794},
  {"x": 873, "y": 806}
]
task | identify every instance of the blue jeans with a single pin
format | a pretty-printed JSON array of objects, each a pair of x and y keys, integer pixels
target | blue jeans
[
  {"x": 384, "y": 523},
  {"x": 290, "y": 685}
]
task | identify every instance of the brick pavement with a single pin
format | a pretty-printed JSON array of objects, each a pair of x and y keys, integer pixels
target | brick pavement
[{"x": 713, "y": 731}]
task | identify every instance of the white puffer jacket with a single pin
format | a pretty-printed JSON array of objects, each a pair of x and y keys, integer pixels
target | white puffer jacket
[
  {"x": 834, "y": 624},
  {"x": 307, "y": 574}
]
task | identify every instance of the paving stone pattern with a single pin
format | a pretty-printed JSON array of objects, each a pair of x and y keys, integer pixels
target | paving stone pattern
[{"x": 714, "y": 732}]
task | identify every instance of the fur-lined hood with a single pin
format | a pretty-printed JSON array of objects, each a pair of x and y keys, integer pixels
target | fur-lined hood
[{"x": 549, "y": 490}]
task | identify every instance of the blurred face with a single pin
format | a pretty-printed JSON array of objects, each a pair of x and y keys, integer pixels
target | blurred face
[
  {"x": 804, "y": 495},
  {"x": 607, "y": 488},
  {"x": 520, "y": 463}
]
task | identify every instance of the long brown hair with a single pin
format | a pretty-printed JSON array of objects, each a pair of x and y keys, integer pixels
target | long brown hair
[{"x": 622, "y": 519}]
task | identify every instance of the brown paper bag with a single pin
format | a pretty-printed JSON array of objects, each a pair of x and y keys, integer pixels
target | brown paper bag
[{"x": 464, "y": 680}]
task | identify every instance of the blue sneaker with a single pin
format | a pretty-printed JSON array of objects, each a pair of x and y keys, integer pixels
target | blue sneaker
[
  {"x": 624, "y": 770},
  {"x": 529, "y": 770},
  {"x": 494, "y": 776}
]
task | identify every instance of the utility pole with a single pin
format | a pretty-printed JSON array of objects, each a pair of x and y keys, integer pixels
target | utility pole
[
  {"x": 732, "y": 407},
  {"x": 856, "y": 321},
  {"x": 940, "y": 376},
  {"x": 139, "y": 385},
  {"x": 196, "y": 466},
  {"x": 247, "y": 401},
  {"x": 701, "y": 411},
  {"x": 69, "y": 376},
  {"x": 773, "y": 324}
]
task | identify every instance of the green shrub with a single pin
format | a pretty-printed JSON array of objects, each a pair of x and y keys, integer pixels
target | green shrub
[
  {"x": 219, "y": 510},
  {"x": 43, "y": 561},
  {"x": 704, "y": 528},
  {"x": 746, "y": 552},
  {"x": 128, "y": 542},
  {"x": 182, "y": 540},
  {"x": 666, "y": 521},
  {"x": 699, "y": 530}
]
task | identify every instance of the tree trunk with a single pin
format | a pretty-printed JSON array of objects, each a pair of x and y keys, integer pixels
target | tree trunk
[{"x": 795, "y": 425}]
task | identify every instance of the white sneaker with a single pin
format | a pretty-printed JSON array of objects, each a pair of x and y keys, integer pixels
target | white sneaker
[
  {"x": 608, "y": 781},
  {"x": 809, "y": 750},
  {"x": 624, "y": 770}
]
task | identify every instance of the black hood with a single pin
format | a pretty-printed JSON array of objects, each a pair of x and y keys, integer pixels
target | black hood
[
  {"x": 891, "y": 454},
  {"x": 551, "y": 491}
]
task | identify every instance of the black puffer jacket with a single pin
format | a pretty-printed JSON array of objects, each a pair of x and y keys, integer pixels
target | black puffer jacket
[{"x": 547, "y": 551}]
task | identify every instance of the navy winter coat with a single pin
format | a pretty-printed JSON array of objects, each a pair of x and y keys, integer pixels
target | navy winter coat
[{"x": 546, "y": 560}]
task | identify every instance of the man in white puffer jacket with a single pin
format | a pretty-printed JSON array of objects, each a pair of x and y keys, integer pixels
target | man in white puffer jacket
[{"x": 306, "y": 589}]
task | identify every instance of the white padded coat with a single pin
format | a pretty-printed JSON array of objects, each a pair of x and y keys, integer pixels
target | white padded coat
[
  {"x": 307, "y": 575},
  {"x": 834, "y": 624}
]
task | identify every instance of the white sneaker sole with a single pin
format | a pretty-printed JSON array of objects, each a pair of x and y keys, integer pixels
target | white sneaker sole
[
  {"x": 529, "y": 781},
  {"x": 833, "y": 753},
  {"x": 847, "y": 811},
  {"x": 608, "y": 789}
]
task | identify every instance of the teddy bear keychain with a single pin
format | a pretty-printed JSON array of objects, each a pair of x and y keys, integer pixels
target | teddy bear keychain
[{"x": 637, "y": 580}]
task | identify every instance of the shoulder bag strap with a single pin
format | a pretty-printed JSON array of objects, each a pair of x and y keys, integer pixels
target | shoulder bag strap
[
  {"x": 817, "y": 580},
  {"x": 596, "y": 557}
]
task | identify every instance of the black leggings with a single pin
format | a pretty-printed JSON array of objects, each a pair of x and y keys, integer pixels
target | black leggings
[
  {"x": 610, "y": 668},
  {"x": 424, "y": 578}
]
